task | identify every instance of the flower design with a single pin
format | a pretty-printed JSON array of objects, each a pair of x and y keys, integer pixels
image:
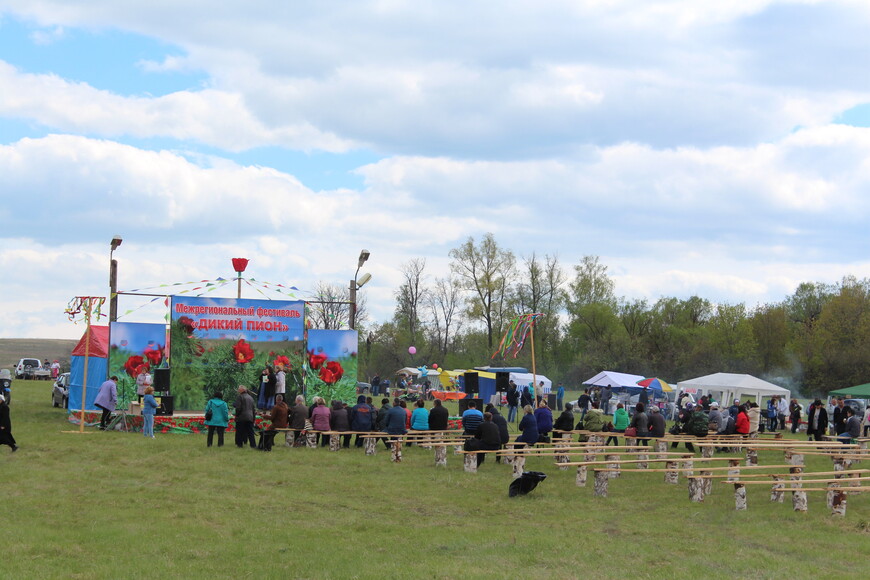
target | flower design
[
  {"x": 187, "y": 323},
  {"x": 243, "y": 352},
  {"x": 154, "y": 355},
  {"x": 335, "y": 368},
  {"x": 282, "y": 361},
  {"x": 135, "y": 365},
  {"x": 327, "y": 376},
  {"x": 315, "y": 360}
]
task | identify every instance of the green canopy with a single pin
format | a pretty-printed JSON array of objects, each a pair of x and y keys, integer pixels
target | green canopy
[{"x": 859, "y": 392}]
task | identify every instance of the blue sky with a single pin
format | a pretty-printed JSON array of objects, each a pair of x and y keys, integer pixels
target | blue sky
[{"x": 718, "y": 149}]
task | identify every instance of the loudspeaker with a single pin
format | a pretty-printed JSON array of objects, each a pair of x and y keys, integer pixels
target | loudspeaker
[
  {"x": 502, "y": 380},
  {"x": 463, "y": 404},
  {"x": 166, "y": 407},
  {"x": 551, "y": 401},
  {"x": 161, "y": 380},
  {"x": 471, "y": 385}
]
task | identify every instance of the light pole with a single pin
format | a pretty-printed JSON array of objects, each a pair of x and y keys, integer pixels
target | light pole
[
  {"x": 113, "y": 279},
  {"x": 355, "y": 285}
]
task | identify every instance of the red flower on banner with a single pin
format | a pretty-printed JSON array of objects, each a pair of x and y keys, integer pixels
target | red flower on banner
[
  {"x": 135, "y": 365},
  {"x": 327, "y": 376},
  {"x": 282, "y": 360},
  {"x": 243, "y": 352},
  {"x": 154, "y": 355},
  {"x": 200, "y": 350},
  {"x": 187, "y": 323},
  {"x": 315, "y": 360},
  {"x": 335, "y": 368}
]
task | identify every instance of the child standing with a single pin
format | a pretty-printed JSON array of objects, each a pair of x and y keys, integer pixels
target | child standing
[{"x": 149, "y": 408}]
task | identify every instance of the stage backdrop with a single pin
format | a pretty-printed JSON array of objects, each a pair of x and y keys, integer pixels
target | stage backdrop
[
  {"x": 332, "y": 364},
  {"x": 221, "y": 343},
  {"x": 134, "y": 345}
]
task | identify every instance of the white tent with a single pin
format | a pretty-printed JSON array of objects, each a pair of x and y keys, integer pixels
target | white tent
[
  {"x": 524, "y": 379},
  {"x": 613, "y": 379},
  {"x": 725, "y": 387}
]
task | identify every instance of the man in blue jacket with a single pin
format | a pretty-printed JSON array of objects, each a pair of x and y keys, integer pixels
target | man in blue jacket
[
  {"x": 361, "y": 418},
  {"x": 471, "y": 419}
]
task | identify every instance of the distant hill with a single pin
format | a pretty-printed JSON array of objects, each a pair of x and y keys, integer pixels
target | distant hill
[{"x": 13, "y": 349}]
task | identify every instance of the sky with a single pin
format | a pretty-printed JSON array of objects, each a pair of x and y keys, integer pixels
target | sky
[{"x": 719, "y": 149}]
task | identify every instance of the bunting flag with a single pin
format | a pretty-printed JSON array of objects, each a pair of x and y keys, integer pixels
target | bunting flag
[
  {"x": 515, "y": 336},
  {"x": 211, "y": 285}
]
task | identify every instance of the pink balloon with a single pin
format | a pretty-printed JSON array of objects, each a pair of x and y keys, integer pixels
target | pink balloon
[
  {"x": 434, "y": 366},
  {"x": 412, "y": 349}
]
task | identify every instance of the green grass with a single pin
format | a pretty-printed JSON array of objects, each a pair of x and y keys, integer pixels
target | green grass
[{"x": 109, "y": 505}]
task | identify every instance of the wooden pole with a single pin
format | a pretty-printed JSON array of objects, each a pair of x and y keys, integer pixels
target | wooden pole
[
  {"x": 87, "y": 307},
  {"x": 534, "y": 370}
]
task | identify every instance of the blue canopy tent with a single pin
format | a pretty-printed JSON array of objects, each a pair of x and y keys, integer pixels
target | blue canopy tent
[{"x": 97, "y": 350}]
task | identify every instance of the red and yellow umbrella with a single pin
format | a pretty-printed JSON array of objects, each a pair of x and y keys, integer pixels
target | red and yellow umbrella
[{"x": 656, "y": 384}]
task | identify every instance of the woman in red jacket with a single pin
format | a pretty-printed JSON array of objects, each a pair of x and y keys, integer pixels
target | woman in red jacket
[{"x": 741, "y": 423}]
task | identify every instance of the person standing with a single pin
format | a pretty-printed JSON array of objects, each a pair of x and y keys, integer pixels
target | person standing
[
  {"x": 794, "y": 409},
  {"x": 268, "y": 381},
  {"x": 583, "y": 403},
  {"x": 107, "y": 398},
  {"x": 781, "y": 412},
  {"x": 606, "y": 395},
  {"x": 244, "y": 411},
  {"x": 513, "y": 401},
  {"x": 280, "y": 382},
  {"x": 839, "y": 416},
  {"x": 644, "y": 397},
  {"x": 149, "y": 409},
  {"x": 376, "y": 385},
  {"x": 6, "y": 437},
  {"x": 219, "y": 418},
  {"x": 143, "y": 380},
  {"x": 560, "y": 397}
]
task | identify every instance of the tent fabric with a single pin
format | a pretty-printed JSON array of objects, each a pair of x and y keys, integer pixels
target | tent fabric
[
  {"x": 615, "y": 380},
  {"x": 857, "y": 392},
  {"x": 99, "y": 343},
  {"x": 523, "y": 379},
  {"x": 733, "y": 386},
  {"x": 97, "y": 369}
]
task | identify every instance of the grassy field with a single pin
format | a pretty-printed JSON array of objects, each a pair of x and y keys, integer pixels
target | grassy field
[
  {"x": 108, "y": 505},
  {"x": 14, "y": 349}
]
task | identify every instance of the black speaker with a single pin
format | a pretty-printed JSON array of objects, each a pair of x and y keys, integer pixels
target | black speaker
[
  {"x": 161, "y": 380},
  {"x": 471, "y": 385},
  {"x": 167, "y": 406},
  {"x": 551, "y": 400},
  {"x": 463, "y": 404},
  {"x": 502, "y": 380}
]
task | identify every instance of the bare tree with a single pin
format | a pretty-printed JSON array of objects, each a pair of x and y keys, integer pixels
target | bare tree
[
  {"x": 484, "y": 271},
  {"x": 445, "y": 302},
  {"x": 542, "y": 292},
  {"x": 329, "y": 308},
  {"x": 411, "y": 296}
]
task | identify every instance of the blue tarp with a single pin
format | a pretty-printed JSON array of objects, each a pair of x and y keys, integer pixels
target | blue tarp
[{"x": 97, "y": 369}]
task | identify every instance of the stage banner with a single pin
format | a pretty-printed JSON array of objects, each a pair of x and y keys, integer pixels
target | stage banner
[
  {"x": 332, "y": 365},
  {"x": 134, "y": 348},
  {"x": 217, "y": 344}
]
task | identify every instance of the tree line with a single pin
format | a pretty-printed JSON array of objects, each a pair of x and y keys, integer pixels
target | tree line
[{"x": 813, "y": 341}]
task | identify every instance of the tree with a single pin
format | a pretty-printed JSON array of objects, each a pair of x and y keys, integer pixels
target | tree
[
  {"x": 484, "y": 271},
  {"x": 411, "y": 295},
  {"x": 770, "y": 328},
  {"x": 330, "y": 307},
  {"x": 445, "y": 303}
]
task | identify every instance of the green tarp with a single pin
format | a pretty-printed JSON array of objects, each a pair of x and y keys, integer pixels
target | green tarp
[{"x": 859, "y": 392}]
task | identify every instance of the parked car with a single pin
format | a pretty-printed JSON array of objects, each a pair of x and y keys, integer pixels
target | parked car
[
  {"x": 31, "y": 368},
  {"x": 60, "y": 392}
]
